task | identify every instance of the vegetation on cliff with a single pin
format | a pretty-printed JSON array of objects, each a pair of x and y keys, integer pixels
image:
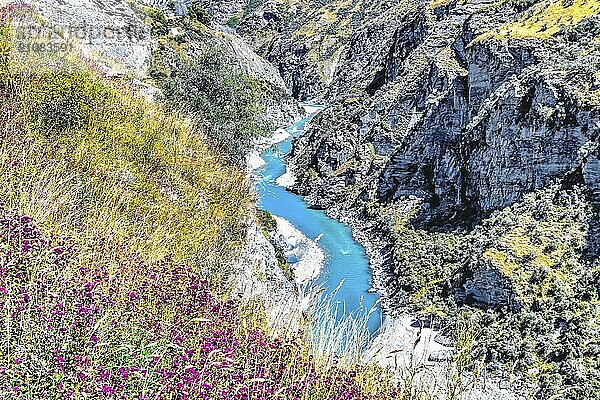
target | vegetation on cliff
[
  {"x": 521, "y": 280},
  {"x": 80, "y": 156},
  {"x": 202, "y": 80}
]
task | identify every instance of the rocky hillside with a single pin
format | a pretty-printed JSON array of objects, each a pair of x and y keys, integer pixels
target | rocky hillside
[
  {"x": 325, "y": 48},
  {"x": 461, "y": 142},
  {"x": 468, "y": 120}
]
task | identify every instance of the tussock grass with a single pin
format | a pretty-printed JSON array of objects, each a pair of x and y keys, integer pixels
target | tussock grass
[
  {"x": 83, "y": 155},
  {"x": 96, "y": 321},
  {"x": 335, "y": 336}
]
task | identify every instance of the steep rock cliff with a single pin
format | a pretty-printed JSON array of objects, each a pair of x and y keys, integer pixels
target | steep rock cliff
[
  {"x": 461, "y": 143},
  {"x": 467, "y": 126},
  {"x": 325, "y": 48}
]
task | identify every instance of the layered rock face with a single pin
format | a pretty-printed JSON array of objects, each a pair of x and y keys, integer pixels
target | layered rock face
[
  {"x": 468, "y": 126},
  {"x": 338, "y": 46}
]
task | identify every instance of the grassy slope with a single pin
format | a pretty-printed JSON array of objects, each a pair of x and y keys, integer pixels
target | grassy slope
[{"x": 81, "y": 157}]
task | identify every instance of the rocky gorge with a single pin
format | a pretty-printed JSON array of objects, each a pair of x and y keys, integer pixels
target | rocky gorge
[{"x": 460, "y": 142}]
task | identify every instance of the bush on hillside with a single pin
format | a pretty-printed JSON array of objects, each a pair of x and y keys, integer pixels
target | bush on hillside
[
  {"x": 197, "y": 13},
  {"x": 225, "y": 102}
]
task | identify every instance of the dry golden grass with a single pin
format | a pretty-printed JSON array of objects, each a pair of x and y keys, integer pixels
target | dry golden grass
[
  {"x": 546, "y": 20},
  {"x": 82, "y": 154}
]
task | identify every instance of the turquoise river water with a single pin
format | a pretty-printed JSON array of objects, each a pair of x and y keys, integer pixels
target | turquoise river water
[{"x": 345, "y": 259}]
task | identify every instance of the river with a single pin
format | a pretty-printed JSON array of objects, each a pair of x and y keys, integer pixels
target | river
[{"x": 346, "y": 264}]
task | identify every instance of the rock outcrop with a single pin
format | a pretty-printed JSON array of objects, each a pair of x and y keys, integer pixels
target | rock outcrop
[
  {"x": 338, "y": 46},
  {"x": 468, "y": 126},
  {"x": 110, "y": 31},
  {"x": 259, "y": 275}
]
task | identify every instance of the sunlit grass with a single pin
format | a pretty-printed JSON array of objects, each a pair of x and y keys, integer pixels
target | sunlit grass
[
  {"x": 546, "y": 19},
  {"x": 85, "y": 157}
]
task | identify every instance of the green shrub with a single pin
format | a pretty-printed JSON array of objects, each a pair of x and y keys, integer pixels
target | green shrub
[
  {"x": 225, "y": 102},
  {"x": 65, "y": 100},
  {"x": 199, "y": 14}
]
